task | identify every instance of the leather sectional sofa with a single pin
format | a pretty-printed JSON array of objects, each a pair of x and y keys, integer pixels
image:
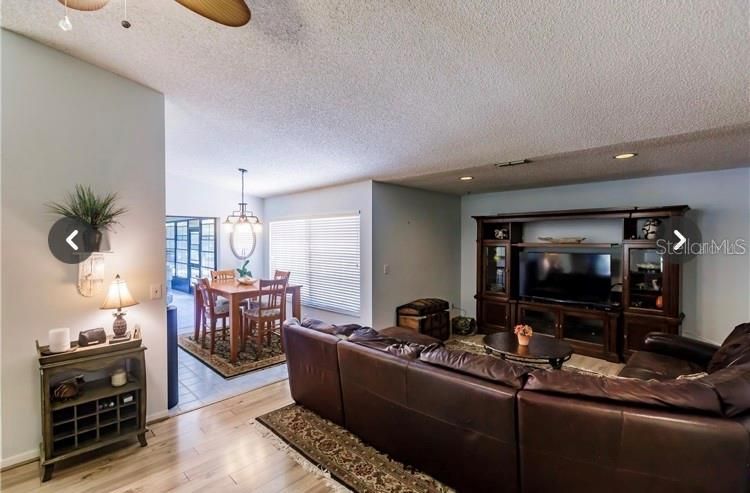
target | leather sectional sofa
[{"x": 480, "y": 424}]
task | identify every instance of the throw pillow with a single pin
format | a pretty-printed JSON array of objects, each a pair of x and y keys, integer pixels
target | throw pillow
[{"x": 734, "y": 352}]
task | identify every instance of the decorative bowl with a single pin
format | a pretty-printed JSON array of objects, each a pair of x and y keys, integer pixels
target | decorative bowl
[
  {"x": 564, "y": 239},
  {"x": 246, "y": 280}
]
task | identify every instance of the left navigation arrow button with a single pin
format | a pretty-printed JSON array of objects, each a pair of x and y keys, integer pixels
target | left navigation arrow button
[{"x": 69, "y": 240}]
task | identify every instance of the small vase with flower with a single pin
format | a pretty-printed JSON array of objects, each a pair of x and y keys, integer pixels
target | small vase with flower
[{"x": 524, "y": 333}]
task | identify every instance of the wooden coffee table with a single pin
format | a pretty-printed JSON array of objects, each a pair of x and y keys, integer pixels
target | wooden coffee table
[{"x": 541, "y": 349}]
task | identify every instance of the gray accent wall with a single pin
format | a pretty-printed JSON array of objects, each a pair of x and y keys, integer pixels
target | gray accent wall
[
  {"x": 65, "y": 122},
  {"x": 715, "y": 289},
  {"x": 416, "y": 234}
]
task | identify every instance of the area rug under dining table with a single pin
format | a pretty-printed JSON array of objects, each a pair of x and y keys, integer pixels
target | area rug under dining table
[{"x": 250, "y": 359}]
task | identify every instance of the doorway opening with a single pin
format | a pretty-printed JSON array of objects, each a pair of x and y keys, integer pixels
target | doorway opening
[{"x": 192, "y": 252}]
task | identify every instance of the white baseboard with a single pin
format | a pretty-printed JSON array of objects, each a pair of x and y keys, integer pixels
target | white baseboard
[
  {"x": 157, "y": 416},
  {"x": 32, "y": 455},
  {"x": 28, "y": 456}
]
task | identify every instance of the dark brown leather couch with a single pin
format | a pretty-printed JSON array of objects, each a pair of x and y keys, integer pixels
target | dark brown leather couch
[
  {"x": 647, "y": 432},
  {"x": 481, "y": 424}
]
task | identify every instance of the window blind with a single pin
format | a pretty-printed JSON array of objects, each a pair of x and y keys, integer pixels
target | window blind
[{"x": 323, "y": 256}]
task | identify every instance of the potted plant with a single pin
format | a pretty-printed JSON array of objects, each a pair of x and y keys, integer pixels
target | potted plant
[
  {"x": 100, "y": 212},
  {"x": 524, "y": 333},
  {"x": 246, "y": 276}
]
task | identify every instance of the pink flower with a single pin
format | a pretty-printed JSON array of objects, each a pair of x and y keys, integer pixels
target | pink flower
[{"x": 523, "y": 330}]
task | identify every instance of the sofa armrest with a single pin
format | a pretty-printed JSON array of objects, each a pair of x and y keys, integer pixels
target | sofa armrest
[{"x": 679, "y": 347}]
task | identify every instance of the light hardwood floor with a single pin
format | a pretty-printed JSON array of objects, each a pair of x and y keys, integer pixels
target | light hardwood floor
[{"x": 215, "y": 448}]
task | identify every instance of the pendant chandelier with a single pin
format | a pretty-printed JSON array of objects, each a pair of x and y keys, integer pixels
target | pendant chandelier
[
  {"x": 242, "y": 239},
  {"x": 241, "y": 217}
]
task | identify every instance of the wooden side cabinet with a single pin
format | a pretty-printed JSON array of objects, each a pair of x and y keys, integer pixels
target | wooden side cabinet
[
  {"x": 636, "y": 327},
  {"x": 99, "y": 414},
  {"x": 495, "y": 315}
]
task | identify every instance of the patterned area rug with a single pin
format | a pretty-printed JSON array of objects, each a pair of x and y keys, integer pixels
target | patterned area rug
[
  {"x": 249, "y": 360},
  {"x": 329, "y": 450},
  {"x": 577, "y": 362}
]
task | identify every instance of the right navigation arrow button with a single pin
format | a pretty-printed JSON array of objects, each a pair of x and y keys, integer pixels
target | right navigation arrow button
[{"x": 682, "y": 239}]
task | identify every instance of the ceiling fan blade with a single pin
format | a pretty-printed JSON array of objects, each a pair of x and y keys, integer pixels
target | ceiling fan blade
[
  {"x": 233, "y": 13},
  {"x": 85, "y": 5}
]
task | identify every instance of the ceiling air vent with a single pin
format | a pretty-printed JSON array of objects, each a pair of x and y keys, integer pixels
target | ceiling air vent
[{"x": 512, "y": 163}]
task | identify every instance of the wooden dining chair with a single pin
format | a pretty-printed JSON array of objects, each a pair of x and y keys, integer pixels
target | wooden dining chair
[
  {"x": 283, "y": 275},
  {"x": 260, "y": 320},
  {"x": 211, "y": 313}
]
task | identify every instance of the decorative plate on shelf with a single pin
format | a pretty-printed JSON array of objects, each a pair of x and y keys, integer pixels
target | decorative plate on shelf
[{"x": 564, "y": 239}]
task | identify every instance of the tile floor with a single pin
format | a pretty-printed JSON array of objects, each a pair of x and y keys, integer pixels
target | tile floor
[{"x": 199, "y": 385}]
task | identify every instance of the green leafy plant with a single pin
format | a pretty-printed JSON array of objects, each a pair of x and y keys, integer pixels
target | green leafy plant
[
  {"x": 98, "y": 211},
  {"x": 244, "y": 271}
]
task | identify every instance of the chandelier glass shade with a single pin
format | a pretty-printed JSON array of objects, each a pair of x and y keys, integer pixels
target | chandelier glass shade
[{"x": 243, "y": 226}]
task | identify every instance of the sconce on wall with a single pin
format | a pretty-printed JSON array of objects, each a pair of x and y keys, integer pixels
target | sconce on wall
[{"x": 91, "y": 275}]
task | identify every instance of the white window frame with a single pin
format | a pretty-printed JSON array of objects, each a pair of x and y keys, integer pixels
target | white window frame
[{"x": 311, "y": 277}]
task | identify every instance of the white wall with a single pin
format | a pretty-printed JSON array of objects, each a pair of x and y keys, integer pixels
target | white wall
[
  {"x": 66, "y": 122},
  {"x": 327, "y": 201},
  {"x": 715, "y": 290},
  {"x": 188, "y": 197},
  {"x": 417, "y": 234}
]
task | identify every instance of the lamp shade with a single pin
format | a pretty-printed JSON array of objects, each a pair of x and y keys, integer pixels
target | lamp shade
[{"x": 118, "y": 295}]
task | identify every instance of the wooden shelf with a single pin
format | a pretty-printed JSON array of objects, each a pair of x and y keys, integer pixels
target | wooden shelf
[
  {"x": 565, "y": 245},
  {"x": 92, "y": 391}
]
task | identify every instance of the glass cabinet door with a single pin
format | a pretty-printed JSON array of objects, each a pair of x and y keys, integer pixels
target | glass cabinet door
[
  {"x": 583, "y": 327},
  {"x": 495, "y": 269},
  {"x": 645, "y": 279},
  {"x": 542, "y": 319}
]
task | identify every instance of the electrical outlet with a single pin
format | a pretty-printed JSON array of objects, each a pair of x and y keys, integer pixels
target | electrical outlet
[
  {"x": 386, "y": 269},
  {"x": 156, "y": 291}
]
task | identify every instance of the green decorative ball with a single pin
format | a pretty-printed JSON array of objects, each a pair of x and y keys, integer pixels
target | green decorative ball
[{"x": 464, "y": 326}]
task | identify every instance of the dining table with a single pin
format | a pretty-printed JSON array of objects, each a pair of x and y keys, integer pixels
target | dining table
[{"x": 236, "y": 292}]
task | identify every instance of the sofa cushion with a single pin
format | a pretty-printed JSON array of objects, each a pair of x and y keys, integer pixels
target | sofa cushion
[
  {"x": 739, "y": 331},
  {"x": 688, "y": 395},
  {"x": 477, "y": 365},
  {"x": 734, "y": 351},
  {"x": 347, "y": 330},
  {"x": 647, "y": 365},
  {"x": 315, "y": 324},
  {"x": 408, "y": 335},
  {"x": 342, "y": 331},
  {"x": 377, "y": 340},
  {"x": 733, "y": 386}
]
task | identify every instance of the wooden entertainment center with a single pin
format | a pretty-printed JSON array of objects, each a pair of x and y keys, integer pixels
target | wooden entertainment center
[{"x": 644, "y": 293}]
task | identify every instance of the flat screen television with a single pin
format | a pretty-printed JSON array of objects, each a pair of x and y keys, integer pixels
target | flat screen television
[{"x": 566, "y": 277}]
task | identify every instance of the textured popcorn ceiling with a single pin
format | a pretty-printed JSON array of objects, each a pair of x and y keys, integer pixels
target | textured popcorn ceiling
[{"x": 317, "y": 92}]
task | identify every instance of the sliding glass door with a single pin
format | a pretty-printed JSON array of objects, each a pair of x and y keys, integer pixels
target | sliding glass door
[{"x": 191, "y": 250}]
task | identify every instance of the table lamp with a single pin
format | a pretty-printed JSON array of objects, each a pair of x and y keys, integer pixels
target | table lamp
[{"x": 117, "y": 298}]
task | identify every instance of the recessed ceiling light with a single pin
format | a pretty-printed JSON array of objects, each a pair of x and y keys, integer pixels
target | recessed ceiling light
[
  {"x": 466, "y": 178},
  {"x": 626, "y": 155}
]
